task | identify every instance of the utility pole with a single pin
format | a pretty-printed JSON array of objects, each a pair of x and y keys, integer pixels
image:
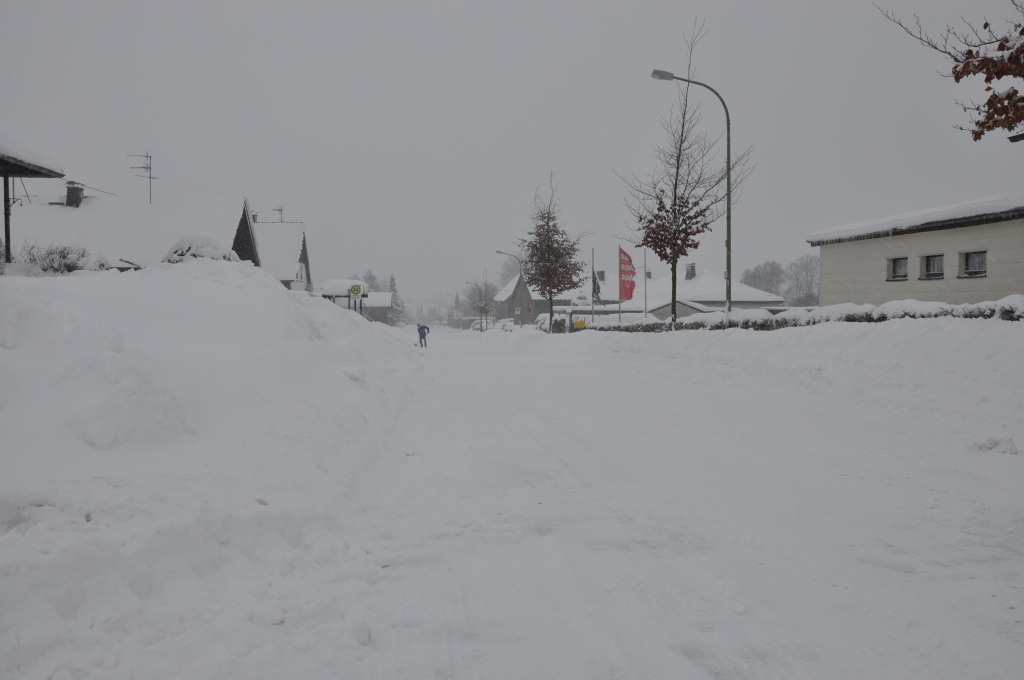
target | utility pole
[
  {"x": 147, "y": 167},
  {"x": 280, "y": 211}
]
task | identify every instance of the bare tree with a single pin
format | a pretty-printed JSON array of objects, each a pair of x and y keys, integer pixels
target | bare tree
[
  {"x": 686, "y": 191},
  {"x": 986, "y": 51},
  {"x": 802, "y": 281},
  {"x": 510, "y": 268},
  {"x": 551, "y": 267},
  {"x": 767, "y": 276},
  {"x": 478, "y": 296}
]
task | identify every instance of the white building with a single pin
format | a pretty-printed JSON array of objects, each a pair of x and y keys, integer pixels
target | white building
[
  {"x": 696, "y": 291},
  {"x": 965, "y": 253}
]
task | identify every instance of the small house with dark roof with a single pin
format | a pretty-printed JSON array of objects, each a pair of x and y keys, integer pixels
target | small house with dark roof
[
  {"x": 517, "y": 295},
  {"x": 965, "y": 253},
  {"x": 18, "y": 161},
  {"x": 278, "y": 247}
]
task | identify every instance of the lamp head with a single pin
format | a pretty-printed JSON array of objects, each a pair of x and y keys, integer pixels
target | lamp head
[{"x": 662, "y": 75}]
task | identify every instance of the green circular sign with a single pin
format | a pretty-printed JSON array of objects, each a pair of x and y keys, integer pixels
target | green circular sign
[{"x": 356, "y": 289}]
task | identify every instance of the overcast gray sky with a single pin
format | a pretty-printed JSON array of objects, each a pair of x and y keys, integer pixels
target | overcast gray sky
[{"x": 410, "y": 136}]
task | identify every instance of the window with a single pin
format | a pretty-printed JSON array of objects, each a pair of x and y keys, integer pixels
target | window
[
  {"x": 931, "y": 267},
  {"x": 974, "y": 264},
  {"x": 898, "y": 269}
]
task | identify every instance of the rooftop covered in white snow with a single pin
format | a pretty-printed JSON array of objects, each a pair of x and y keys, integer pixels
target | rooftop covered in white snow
[
  {"x": 19, "y": 160},
  {"x": 981, "y": 211}
]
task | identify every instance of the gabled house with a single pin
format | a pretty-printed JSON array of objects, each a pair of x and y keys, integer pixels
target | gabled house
[
  {"x": 697, "y": 291},
  {"x": 965, "y": 253},
  {"x": 517, "y": 295},
  {"x": 278, "y": 247}
]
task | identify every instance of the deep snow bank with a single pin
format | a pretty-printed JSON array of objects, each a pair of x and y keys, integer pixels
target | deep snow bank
[{"x": 173, "y": 440}]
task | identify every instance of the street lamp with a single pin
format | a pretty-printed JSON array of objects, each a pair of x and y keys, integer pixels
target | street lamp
[
  {"x": 502, "y": 252},
  {"x": 665, "y": 75}
]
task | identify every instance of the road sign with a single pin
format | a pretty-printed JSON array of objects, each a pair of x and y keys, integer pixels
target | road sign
[{"x": 356, "y": 289}]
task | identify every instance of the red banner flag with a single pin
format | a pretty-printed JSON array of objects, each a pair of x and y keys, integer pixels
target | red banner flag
[{"x": 627, "y": 276}]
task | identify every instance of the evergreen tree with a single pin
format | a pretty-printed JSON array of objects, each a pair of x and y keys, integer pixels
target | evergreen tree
[
  {"x": 399, "y": 315},
  {"x": 372, "y": 284}
]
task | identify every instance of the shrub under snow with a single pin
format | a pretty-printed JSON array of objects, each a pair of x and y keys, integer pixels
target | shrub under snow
[
  {"x": 199, "y": 245},
  {"x": 1010, "y": 308},
  {"x": 62, "y": 259}
]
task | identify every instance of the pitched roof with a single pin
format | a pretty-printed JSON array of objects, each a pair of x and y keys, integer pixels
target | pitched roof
[
  {"x": 981, "y": 211},
  {"x": 18, "y": 160},
  {"x": 279, "y": 245},
  {"x": 704, "y": 288},
  {"x": 505, "y": 293}
]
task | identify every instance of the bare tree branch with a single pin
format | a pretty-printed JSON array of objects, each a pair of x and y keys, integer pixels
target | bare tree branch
[
  {"x": 686, "y": 191},
  {"x": 980, "y": 51}
]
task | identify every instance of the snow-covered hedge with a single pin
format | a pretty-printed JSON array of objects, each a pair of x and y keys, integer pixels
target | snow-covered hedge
[
  {"x": 62, "y": 259},
  {"x": 1010, "y": 308}
]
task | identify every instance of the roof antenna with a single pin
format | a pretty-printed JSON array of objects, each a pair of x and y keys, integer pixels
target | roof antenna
[
  {"x": 280, "y": 210},
  {"x": 148, "y": 167}
]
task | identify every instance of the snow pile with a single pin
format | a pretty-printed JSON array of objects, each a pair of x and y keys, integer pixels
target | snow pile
[
  {"x": 195, "y": 246},
  {"x": 176, "y": 444},
  {"x": 207, "y": 476}
]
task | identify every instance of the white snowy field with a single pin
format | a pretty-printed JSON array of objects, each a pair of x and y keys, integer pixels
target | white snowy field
[{"x": 206, "y": 476}]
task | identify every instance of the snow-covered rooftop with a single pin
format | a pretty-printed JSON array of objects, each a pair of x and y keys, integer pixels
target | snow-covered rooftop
[
  {"x": 510, "y": 287},
  {"x": 339, "y": 286},
  {"x": 279, "y": 245},
  {"x": 35, "y": 162},
  {"x": 125, "y": 228},
  {"x": 980, "y": 211},
  {"x": 704, "y": 288}
]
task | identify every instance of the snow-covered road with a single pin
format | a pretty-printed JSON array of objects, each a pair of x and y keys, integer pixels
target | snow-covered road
[
  {"x": 205, "y": 476},
  {"x": 632, "y": 507}
]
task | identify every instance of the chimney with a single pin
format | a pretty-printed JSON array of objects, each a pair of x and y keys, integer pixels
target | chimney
[
  {"x": 691, "y": 271},
  {"x": 255, "y": 216},
  {"x": 75, "y": 193}
]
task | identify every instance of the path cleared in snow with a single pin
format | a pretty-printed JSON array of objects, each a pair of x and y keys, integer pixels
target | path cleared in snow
[{"x": 205, "y": 476}]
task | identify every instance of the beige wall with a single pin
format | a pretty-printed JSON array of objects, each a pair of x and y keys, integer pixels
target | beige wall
[{"x": 856, "y": 271}]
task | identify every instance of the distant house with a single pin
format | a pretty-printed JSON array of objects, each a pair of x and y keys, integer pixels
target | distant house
[
  {"x": 697, "y": 291},
  {"x": 371, "y": 304},
  {"x": 965, "y": 253},
  {"x": 517, "y": 295},
  {"x": 278, "y": 247}
]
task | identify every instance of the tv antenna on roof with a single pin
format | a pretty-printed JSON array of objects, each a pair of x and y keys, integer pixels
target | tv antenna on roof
[
  {"x": 148, "y": 168},
  {"x": 280, "y": 211}
]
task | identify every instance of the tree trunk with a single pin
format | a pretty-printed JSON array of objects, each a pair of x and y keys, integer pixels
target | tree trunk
[
  {"x": 551, "y": 313},
  {"x": 674, "y": 265}
]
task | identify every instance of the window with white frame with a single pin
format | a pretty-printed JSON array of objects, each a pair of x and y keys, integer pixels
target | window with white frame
[
  {"x": 932, "y": 267},
  {"x": 974, "y": 264},
  {"x": 898, "y": 269}
]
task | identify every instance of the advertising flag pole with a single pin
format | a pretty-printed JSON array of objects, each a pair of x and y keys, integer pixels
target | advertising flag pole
[{"x": 593, "y": 277}]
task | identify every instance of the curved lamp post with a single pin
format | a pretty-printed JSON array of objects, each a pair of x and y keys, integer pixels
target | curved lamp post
[
  {"x": 665, "y": 75},
  {"x": 502, "y": 252}
]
